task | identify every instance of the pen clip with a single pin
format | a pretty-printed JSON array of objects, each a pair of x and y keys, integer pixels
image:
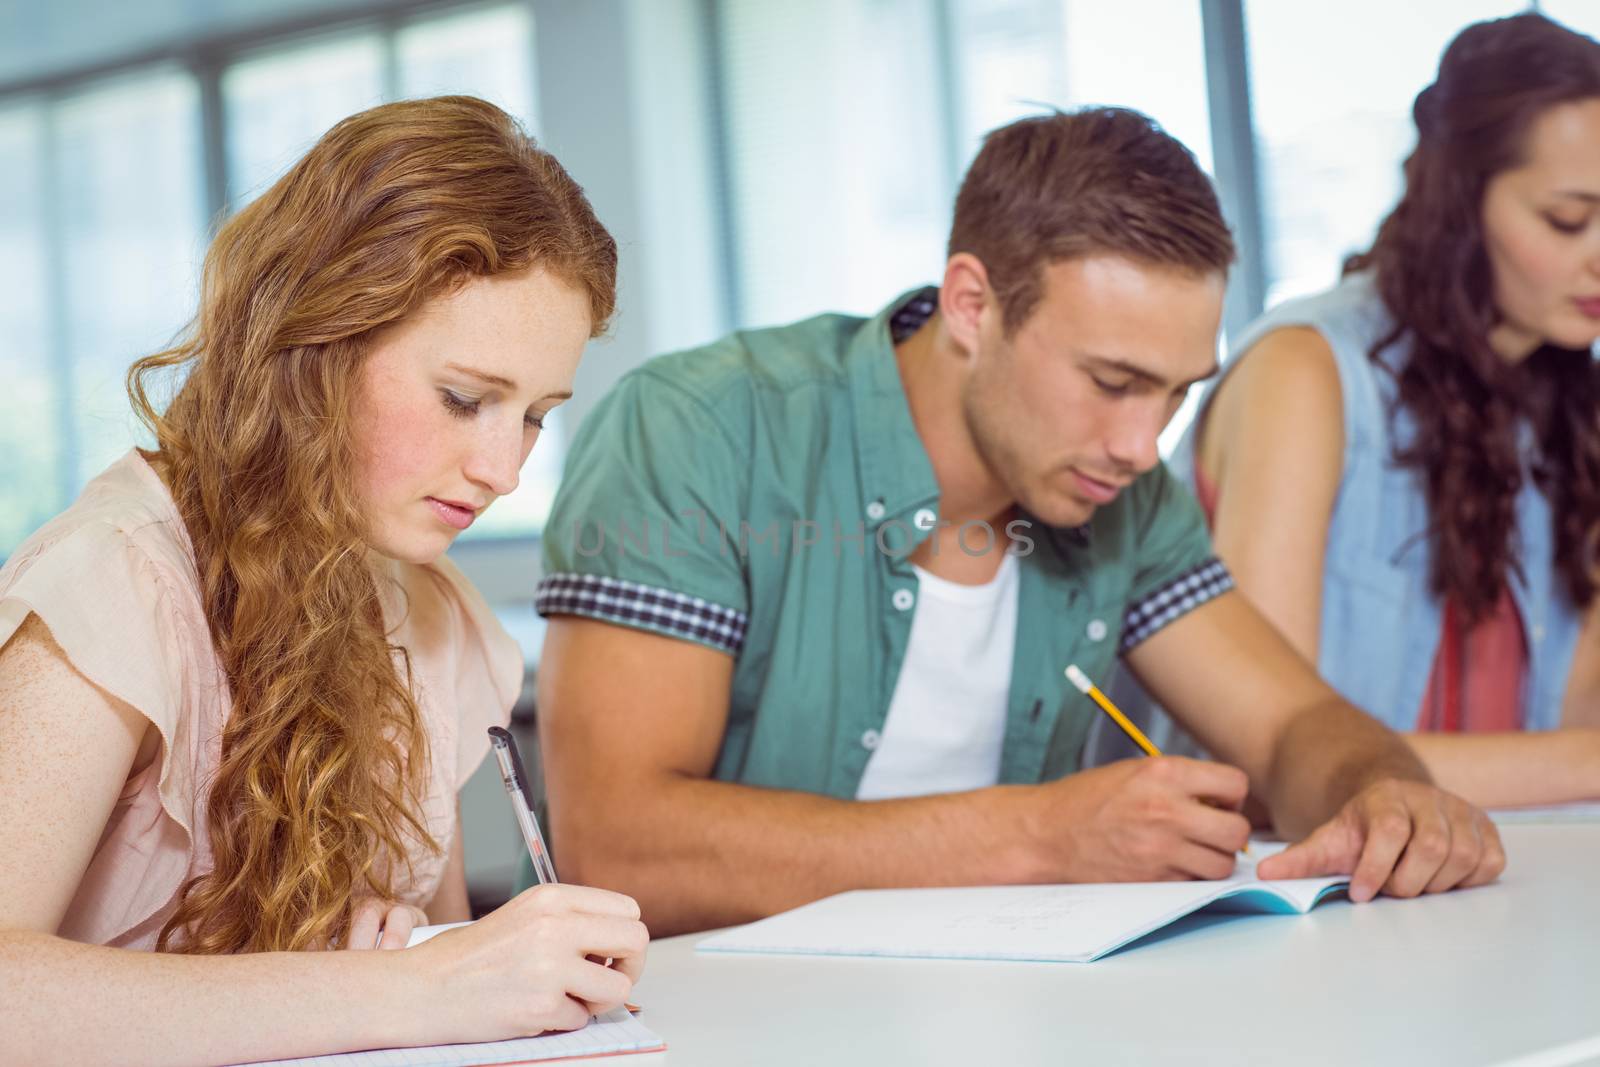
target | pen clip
[{"x": 505, "y": 746}]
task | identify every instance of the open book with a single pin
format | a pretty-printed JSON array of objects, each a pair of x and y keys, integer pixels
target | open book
[
  {"x": 1056, "y": 923},
  {"x": 615, "y": 1032}
]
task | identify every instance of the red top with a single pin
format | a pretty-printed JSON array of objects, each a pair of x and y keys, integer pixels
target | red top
[{"x": 1476, "y": 682}]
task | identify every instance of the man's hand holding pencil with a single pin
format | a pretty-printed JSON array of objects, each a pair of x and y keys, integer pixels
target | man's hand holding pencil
[
  {"x": 1394, "y": 836},
  {"x": 1156, "y": 819}
]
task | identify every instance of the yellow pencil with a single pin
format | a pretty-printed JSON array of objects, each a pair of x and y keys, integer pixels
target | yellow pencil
[{"x": 1092, "y": 691}]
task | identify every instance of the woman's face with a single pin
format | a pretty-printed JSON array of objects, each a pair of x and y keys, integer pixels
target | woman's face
[
  {"x": 450, "y": 400},
  {"x": 1541, "y": 226}
]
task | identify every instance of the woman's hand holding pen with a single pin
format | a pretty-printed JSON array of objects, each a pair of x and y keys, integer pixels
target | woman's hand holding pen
[{"x": 525, "y": 967}]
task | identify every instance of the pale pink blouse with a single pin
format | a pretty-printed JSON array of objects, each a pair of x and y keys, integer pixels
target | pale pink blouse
[{"x": 113, "y": 577}]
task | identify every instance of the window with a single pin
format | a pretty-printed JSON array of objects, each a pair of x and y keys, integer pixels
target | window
[
  {"x": 1017, "y": 57},
  {"x": 278, "y": 103},
  {"x": 486, "y": 52},
  {"x": 132, "y": 234},
  {"x": 840, "y": 195},
  {"x": 101, "y": 223},
  {"x": 32, "y": 480},
  {"x": 1330, "y": 140}
]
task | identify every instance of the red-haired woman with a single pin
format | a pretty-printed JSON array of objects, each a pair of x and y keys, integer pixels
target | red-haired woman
[
  {"x": 1404, "y": 472},
  {"x": 240, "y": 684}
]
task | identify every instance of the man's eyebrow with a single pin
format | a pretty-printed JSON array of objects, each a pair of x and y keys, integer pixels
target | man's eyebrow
[
  {"x": 483, "y": 376},
  {"x": 1122, "y": 366},
  {"x": 1580, "y": 194}
]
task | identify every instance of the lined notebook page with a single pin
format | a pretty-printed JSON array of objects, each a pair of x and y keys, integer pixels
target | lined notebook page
[
  {"x": 615, "y": 1032},
  {"x": 427, "y": 933},
  {"x": 1062, "y": 923}
]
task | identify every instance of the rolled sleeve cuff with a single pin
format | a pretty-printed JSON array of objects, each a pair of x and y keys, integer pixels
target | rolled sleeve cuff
[
  {"x": 1172, "y": 601},
  {"x": 643, "y": 607}
]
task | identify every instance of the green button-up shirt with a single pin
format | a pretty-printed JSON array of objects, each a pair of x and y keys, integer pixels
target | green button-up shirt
[{"x": 762, "y": 495}]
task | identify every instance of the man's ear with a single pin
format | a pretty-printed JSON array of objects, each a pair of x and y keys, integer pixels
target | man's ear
[{"x": 964, "y": 299}]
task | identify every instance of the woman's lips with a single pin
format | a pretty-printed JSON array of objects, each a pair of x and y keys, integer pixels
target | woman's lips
[{"x": 455, "y": 515}]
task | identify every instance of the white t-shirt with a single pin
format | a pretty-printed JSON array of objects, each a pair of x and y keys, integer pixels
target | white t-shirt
[{"x": 947, "y": 719}]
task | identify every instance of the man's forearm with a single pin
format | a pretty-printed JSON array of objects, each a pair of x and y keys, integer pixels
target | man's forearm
[
  {"x": 1328, "y": 754},
  {"x": 699, "y": 854}
]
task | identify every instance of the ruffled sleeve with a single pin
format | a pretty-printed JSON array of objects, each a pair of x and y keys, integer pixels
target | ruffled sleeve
[{"x": 124, "y": 610}]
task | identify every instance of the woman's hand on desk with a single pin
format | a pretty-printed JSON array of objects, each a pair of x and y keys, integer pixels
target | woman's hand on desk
[
  {"x": 525, "y": 967},
  {"x": 382, "y": 924}
]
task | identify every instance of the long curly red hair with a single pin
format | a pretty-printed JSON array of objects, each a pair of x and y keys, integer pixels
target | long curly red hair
[{"x": 317, "y": 796}]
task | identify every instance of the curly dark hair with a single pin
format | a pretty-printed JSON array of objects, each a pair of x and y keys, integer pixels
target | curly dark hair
[{"x": 1495, "y": 79}]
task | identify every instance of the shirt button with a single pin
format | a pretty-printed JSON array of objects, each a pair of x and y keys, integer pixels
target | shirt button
[
  {"x": 924, "y": 519},
  {"x": 1096, "y": 630},
  {"x": 1538, "y": 632},
  {"x": 875, "y": 510},
  {"x": 870, "y": 739},
  {"x": 902, "y": 600}
]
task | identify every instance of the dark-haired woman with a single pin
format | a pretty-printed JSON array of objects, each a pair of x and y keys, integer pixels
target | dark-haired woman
[{"x": 1404, "y": 472}]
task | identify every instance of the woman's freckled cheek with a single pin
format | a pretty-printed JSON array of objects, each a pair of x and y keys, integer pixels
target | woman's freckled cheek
[{"x": 410, "y": 451}]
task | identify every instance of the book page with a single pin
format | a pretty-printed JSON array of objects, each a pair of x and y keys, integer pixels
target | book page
[
  {"x": 615, "y": 1032},
  {"x": 1068, "y": 923},
  {"x": 423, "y": 933},
  {"x": 1301, "y": 893}
]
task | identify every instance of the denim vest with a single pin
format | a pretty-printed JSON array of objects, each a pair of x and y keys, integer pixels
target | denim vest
[{"x": 1380, "y": 623}]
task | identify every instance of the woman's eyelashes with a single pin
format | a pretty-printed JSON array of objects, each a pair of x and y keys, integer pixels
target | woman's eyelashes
[
  {"x": 1567, "y": 226},
  {"x": 461, "y": 407},
  {"x": 465, "y": 407}
]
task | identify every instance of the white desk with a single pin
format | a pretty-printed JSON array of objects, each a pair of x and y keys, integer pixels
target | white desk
[{"x": 1474, "y": 977}]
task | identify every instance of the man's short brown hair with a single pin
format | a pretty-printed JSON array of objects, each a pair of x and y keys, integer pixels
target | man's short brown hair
[{"x": 1069, "y": 184}]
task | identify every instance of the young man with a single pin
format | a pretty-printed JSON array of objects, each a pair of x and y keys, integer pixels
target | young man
[{"x": 812, "y": 589}]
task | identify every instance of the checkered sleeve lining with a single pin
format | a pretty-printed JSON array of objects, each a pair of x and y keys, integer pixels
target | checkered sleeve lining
[
  {"x": 648, "y": 607},
  {"x": 1173, "y": 601}
]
